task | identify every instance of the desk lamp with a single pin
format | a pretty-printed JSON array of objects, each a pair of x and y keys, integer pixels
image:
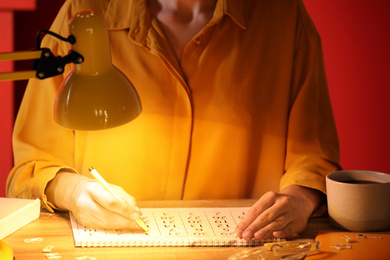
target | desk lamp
[{"x": 95, "y": 94}]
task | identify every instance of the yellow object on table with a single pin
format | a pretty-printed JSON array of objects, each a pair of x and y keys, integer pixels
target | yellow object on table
[{"x": 5, "y": 251}]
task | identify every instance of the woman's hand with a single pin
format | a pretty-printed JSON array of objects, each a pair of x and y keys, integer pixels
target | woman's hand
[
  {"x": 280, "y": 215},
  {"x": 90, "y": 203}
]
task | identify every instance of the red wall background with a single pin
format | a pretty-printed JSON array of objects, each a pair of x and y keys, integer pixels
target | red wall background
[
  {"x": 356, "y": 42},
  {"x": 25, "y": 26},
  {"x": 7, "y": 28}
]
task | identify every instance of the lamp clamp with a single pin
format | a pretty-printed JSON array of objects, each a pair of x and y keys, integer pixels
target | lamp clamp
[{"x": 49, "y": 65}]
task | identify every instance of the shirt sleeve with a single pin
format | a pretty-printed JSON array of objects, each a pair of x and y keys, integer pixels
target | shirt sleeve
[
  {"x": 312, "y": 141},
  {"x": 41, "y": 147}
]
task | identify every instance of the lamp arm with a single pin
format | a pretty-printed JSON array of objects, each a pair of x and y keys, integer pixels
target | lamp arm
[
  {"x": 45, "y": 64},
  {"x": 71, "y": 39}
]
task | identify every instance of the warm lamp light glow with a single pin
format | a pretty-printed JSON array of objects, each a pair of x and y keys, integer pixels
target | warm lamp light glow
[{"x": 95, "y": 94}]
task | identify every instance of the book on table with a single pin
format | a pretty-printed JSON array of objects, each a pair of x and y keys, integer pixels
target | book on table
[{"x": 16, "y": 213}]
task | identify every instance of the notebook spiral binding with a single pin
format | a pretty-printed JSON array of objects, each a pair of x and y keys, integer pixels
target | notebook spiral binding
[{"x": 158, "y": 242}]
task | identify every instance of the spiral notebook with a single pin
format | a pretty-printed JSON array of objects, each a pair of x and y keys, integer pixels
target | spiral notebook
[{"x": 170, "y": 227}]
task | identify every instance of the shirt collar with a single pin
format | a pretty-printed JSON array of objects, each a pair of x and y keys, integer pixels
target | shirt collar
[
  {"x": 134, "y": 15},
  {"x": 231, "y": 8}
]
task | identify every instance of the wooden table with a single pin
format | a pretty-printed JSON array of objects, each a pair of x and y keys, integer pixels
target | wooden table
[{"x": 55, "y": 230}]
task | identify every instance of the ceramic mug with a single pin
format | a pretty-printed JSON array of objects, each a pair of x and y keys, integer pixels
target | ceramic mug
[{"x": 359, "y": 200}]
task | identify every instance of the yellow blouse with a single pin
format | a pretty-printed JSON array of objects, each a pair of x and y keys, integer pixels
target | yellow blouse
[{"x": 245, "y": 111}]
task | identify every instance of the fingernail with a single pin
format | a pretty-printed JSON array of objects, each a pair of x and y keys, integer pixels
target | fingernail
[
  {"x": 247, "y": 235},
  {"x": 259, "y": 236},
  {"x": 238, "y": 233},
  {"x": 134, "y": 216},
  {"x": 277, "y": 234}
]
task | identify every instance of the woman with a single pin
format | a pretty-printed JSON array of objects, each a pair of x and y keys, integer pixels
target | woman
[{"x": 235, "y": 105}]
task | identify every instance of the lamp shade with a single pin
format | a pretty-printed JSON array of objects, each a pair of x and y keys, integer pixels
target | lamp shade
[{"x": 95, "y": 94}]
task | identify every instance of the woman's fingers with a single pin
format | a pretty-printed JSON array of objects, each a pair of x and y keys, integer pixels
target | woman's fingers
[{"x": 278, "y": 215}]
